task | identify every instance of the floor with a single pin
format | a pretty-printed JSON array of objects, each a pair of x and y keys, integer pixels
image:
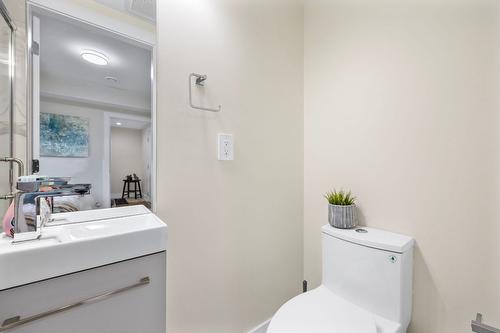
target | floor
[{"x": 120, "y": 202}]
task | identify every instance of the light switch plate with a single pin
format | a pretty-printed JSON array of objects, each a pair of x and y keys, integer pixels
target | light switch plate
[{"x": 225, "y": 146}]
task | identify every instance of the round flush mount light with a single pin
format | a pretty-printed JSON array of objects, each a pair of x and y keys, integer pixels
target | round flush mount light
[{"x": 94, "y": 57}]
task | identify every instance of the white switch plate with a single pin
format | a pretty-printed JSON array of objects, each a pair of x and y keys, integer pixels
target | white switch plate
[{"x": 225, "y": 147}]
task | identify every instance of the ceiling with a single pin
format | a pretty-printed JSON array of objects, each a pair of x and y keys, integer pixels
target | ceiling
[
  {"x": 144, "y": 9},
  {"x": 62, "y": 68}
]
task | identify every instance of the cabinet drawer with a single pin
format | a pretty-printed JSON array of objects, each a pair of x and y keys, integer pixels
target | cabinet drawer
[{"x": 136, "y": 307}]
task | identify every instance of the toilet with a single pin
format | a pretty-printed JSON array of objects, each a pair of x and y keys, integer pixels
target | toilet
[{"x": 366, "y": 286}]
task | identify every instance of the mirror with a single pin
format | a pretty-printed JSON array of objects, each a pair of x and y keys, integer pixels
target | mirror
[{"x": 92, "y": 111}]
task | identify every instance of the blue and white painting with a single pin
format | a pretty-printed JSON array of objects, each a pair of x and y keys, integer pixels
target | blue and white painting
[{"x": 63, "y": 135}]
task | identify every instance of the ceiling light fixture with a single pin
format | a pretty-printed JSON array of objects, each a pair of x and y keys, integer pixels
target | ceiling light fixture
[
  {"x": 94, "y": 57},
  {"x": 118, "y": 124}
]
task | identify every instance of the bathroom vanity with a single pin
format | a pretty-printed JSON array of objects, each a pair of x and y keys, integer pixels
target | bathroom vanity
[{"x": 91, "y": 271}]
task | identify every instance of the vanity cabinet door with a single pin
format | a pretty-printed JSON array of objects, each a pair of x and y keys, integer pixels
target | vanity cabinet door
[{"x": 136, "y": 307}]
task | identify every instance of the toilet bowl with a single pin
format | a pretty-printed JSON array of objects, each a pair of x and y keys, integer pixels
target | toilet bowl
[{"x": 366, "y": 286}]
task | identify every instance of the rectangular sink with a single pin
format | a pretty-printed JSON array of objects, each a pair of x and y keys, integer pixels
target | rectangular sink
[
  {"x": 81, "y": 240},
  {"x": 97, "y": 214},
  {"x": 111, "y": 227}
]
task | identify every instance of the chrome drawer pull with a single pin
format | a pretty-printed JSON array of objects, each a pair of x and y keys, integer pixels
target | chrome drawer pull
[{"x": 18, "y": 321}]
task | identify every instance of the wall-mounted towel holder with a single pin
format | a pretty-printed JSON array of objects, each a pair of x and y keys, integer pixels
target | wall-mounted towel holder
[
  {"x": 478, "y": 326},
  {"x": 200, "y": 82}
]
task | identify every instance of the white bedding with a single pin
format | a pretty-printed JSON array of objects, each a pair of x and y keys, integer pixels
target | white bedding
[{"x": 73, "y": 203}]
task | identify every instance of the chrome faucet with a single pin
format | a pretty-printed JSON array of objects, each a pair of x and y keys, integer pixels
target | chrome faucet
[
  {"x": 20, "y": 172},
  {"x": 35, "y": 197}
]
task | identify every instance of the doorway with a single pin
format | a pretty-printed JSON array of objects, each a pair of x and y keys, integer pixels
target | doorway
[{"x": 129, "y": 159}]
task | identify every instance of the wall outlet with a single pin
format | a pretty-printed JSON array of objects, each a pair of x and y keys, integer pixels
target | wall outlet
[{"x": 225, "y": 147}]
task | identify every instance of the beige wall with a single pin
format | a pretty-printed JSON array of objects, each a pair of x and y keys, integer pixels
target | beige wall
[
  {"x": 401, "y": 106},
  {"x": 235, "y": 228},
  {"x": 126, "y": 156}
]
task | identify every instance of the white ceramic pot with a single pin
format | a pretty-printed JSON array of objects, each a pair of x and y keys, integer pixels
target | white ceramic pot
[{"x": 343, "y": 217}]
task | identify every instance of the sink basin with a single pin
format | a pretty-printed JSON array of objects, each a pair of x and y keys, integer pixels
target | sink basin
[
  {"x": 81, "y": 240},
  {"x": 97, "y": 214}
]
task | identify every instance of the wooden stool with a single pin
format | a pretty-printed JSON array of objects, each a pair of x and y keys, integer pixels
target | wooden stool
[{"x": 126, "y": 188}]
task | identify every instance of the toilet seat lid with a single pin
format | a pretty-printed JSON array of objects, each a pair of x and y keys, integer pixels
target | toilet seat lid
[{"x": 321, "y": 311}]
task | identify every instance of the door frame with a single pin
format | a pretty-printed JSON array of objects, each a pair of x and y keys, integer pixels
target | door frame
[
  {"x": 106, "y": 162},
  {"x": 31, "y": 7}
]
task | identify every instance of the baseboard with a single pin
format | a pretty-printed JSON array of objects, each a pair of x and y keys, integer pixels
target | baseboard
[{"x": 262, "y": 328}]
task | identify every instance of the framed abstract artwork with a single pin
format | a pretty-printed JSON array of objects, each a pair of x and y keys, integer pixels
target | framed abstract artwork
[{"x": 63, "y": 136}]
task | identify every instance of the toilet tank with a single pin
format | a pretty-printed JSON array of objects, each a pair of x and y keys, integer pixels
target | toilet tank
[{"x": 370, "y": 268}]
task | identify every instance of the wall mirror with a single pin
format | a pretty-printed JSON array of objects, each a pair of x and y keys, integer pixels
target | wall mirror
[{"x": 91, "y": 68}]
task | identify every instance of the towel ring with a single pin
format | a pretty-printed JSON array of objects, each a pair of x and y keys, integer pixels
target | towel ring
[{"x": 200, "y": 82}]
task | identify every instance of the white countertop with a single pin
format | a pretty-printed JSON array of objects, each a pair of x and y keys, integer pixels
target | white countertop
[{"x": 79, "y": 241}]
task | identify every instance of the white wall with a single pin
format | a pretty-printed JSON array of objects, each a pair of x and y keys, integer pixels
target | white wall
[
  {"x": 401, "y": 106},
  {"x": 134, "y": 101},
  {"x": 126, "y": 156},
  {"x": 82, "y": 170},
  {"x": 235, "y": 228},
  {"x": 90, "y": 170}
]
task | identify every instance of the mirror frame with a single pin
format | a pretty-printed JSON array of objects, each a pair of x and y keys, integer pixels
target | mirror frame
[{"x": 31, "y": 6}]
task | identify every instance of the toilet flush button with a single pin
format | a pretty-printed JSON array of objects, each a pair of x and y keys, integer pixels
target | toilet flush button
[{"x": 361, "y": 231}]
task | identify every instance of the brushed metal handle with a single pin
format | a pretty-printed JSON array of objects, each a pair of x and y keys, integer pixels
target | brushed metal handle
[
  {"x": 19, "y": 162},
  {"x": 20, "y": 172},
  {"x": 18, "y": 321},
  {"x": 9, "y": 196}
]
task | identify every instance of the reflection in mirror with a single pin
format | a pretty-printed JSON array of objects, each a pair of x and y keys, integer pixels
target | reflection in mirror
[{"x": 92, "y": 110}]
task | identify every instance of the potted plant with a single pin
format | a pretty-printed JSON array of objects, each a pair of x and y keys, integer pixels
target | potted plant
[{"x": 341, "y": 209}]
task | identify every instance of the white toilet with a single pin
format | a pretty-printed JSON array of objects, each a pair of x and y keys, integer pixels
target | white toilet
[{"x": 367, "y": 286}]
